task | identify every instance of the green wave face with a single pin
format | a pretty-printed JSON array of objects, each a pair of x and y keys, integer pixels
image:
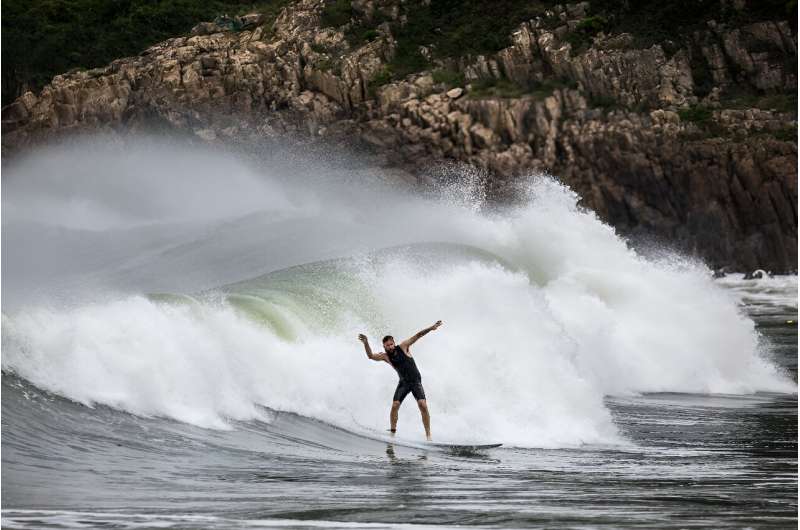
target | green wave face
[{"x": 325, "y": 294}]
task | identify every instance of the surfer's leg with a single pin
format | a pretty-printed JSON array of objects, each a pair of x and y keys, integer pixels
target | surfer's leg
[
  {"x": 400, "y": 394},
  {"x": 393, "y": 417},
  {"x": 419, "y": 395},
  {"x": 426, "y": 417}
]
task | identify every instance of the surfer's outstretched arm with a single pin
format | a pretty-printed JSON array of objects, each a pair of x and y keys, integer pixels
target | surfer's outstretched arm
[
  {"x": 373, "y": 356},
  {"x": 419, "y": 334}
]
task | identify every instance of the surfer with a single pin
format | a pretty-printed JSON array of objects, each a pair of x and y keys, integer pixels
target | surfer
[{"x": 399, "y": 356}]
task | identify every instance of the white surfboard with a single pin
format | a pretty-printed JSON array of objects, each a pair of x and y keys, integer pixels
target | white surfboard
[
  {"x": 436, "y": 446},
  {"x": 467, "y": 448}
]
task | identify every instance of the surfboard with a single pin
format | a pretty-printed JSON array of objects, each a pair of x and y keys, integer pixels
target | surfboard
[
  {"x": 422, "y": 444},
  {"x": 463, "y": 446},
  {"x": 436, "y": 446},
  {"x": 460, "y": 448}
]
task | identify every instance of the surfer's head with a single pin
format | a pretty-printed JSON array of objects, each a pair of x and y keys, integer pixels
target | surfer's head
[{"x": 388, "y": 343}]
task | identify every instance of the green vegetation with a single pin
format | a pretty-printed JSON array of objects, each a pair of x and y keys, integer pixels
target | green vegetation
[
  {"x": 491, "y": 87},
  {"x": 42, "y": 38},
  {"x": 369, "y": 35},
  {"x": 326, "y": 64},
  {"x": 450, "y": 78},
  {"x": 449, "y": 28},
  {"x": 336, "y": 13},
  {"x": 382, "y": 77},
  {"x": 458, "y": 27},
  {"x": 603, "y": 102},
  {"x": 592, "y": 24},
  {"x": 548, "y": 86},
  {"x": 698, "y": 114},
  {"x": 359, "y": 34},
  {"x": 340, "y": 13},
  {"x": 656, "y": 21},
  {"x": 787, "y": 134},
  {"x": 703, "y": 117},
  {"x": 506, "y": 88},
  {"x": 779, "y": 102},
  {"x": 581, "y": 38},
  {"x": 454, "y": 28}
]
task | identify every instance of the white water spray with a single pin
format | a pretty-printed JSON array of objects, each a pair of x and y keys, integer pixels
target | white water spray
[{"x": 546, "y": 310}]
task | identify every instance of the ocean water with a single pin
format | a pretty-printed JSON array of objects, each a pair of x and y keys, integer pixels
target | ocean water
[{"x": 179, "y": 351}]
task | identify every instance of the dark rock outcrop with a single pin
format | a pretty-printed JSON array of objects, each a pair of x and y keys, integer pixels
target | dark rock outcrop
[{"x": 632, "y": 130}]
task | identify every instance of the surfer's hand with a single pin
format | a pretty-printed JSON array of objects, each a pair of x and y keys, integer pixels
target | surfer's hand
[
  {"x": 438, "y": 323},
  {"x": 362, "y": 338}
]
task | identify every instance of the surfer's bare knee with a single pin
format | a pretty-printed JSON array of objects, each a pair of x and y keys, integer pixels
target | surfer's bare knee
[
  {"x": 423, "y": 405},
  {"x": 395, "y": 405}
]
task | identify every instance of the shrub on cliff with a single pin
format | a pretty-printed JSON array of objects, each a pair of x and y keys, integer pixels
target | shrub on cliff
[
  {"x": 656, "y": 21},
  {"x": 697, "y": 114},
  {"x": 336, "y": 13},
  {"x": 451, "y": 78},
  {"x": 42, "y": 38}
]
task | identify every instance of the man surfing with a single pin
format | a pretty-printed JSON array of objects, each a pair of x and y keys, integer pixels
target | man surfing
[{"x": 410, "y": 379}]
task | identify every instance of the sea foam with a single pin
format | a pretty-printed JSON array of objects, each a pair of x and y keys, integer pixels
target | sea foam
[{"x": 546, "y": 309}]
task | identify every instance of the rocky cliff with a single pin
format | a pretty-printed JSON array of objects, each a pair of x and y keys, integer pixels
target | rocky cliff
[{"x": 692, "y": 141}]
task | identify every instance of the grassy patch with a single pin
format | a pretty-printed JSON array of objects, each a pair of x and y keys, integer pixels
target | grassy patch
[
  {"x": 780, "y": 102},
  {"x": 703, "y": 117},
  {"x": 450, "y": 78},
  {"x": 382, "y": 77},
  {"x": 500, "y": 88},
  {"x": 786, "y": 103},
  {"x": 506, "y": 88},
  {"x": 696, "y": 114}
]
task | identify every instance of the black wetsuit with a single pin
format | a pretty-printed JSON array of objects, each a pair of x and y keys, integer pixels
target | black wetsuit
[{"x": 410, "y": 378}]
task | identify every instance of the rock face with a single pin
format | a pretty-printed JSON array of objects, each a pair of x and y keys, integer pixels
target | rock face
[{"x": 621, "y": 125}]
